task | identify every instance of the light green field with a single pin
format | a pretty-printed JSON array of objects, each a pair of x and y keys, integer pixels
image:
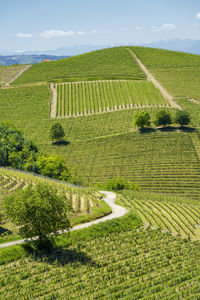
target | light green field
[
  {"x": 8, "y": 72},
  {"x": 113, "y": 63},
  {"x": 74, "y": 99},
  {"x": 131, "y": 264},
  {"x": 178, "y": 72}
]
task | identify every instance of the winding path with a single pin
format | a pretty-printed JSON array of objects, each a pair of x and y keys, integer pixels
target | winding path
[{"x": 117, "y": 212}]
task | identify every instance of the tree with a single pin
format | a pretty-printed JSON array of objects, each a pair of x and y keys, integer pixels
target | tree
[
  {"x": 39, "y": 211},
  {"x": 142, "y": 119},
  {"x": 182, "y": 118},
  {"x": 56, "y": 132},
  {"x": 163, "y": 118}
]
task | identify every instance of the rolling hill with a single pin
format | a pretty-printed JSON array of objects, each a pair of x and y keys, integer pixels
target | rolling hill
[{"x": 95, "y": 97}]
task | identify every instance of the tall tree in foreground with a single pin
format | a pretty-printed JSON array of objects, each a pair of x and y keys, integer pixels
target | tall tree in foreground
[
  {"x": 39, "y": 211},
  {"x": 142, "y": 119},
  {"x": 56, "y": 132}
]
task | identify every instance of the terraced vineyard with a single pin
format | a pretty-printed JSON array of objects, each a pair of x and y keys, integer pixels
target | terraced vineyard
[
  {"x": 128, "y": 265},
  {"x": 170, "y": 214},
  {"x": 85, "y": 203},
  {"x": 85, "y": 98},
  {"x": 157, "y": 161},
  {"x": 8, "y": 72},
  {"x": 113, "y": 63}
]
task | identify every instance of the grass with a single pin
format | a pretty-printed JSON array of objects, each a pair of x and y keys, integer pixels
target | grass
[
  {"x": 8, "y": 72},
  {"x": 131, "y": 264},
  {"x": 113, "y": 63},
  {"x": 74, "y": 99},
  {"x": 178, "y": 72},
  {"x": 85, "y": 203}
]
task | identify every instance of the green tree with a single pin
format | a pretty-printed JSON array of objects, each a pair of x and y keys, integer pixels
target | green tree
[
  {"x": 39, "y": 211},
  {"x": 56, "y": 132},
  {"x": 182, "y": 118},
  {"x": 163, "y": 118},
  {"x": 142, "y": 119}
]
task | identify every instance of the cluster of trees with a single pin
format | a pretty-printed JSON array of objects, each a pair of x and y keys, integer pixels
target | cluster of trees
[
  {"x": 20, "y": 153},
  {"x": 162, "y": 118}
]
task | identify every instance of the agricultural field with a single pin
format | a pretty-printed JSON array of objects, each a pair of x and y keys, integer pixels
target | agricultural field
[
  {"x": 85, "y": 203},
  {"x": 128, "y": 265},
  {"x": 113, "y": 63},
  {"x": 175, "y": 215},
  {"x": 8, "y": 72},
  {"x": 85, "y": 98},
  {"x": 160, "y": 161},
  {"x": 178, "y": 72}
]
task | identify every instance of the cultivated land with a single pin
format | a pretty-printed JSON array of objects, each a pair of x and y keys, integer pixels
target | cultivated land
[
  {"x": 8, "y": 73},
  {"x": 151, "y": 253}
]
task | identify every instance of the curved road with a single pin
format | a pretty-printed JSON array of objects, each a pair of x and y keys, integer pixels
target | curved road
[{"x": 117, "y": 211}]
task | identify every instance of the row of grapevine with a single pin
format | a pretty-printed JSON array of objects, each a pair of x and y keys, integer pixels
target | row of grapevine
[
  {"x": 129, "y": 265},
  {"x": 86, "y": 98}
]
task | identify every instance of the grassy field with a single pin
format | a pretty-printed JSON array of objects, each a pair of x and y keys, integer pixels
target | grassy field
[
  {"x": 74, "y": 99},
  {"x": 175, "y": 215},
  {"x": 84, "y": 202},
  {"x": 113, "y": 63},
  {"x": 158, "y": 161},
  {"x": 178, "y": 72},
  {"x": 8, "y": 72},
  {"x": 128, "y": 265}
]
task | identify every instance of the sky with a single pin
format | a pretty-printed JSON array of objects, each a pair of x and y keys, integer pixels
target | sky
[{"x": 51, "y": 24}]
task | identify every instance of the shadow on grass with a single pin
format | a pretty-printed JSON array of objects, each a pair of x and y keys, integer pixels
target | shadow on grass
[
  {"x": 61, "y": 143},
  {"x": 57, "y": 256},
  {"x": 4, "y": 231},
  {"x": 147, "y": 130},
  {"x": 175, "y": 128}
]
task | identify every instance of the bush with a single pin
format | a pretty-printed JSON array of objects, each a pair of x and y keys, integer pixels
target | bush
[
  {"x": 142, "y": 119},
  {"x": 182, "y": 118},
  {"x": 119, "y": 184},
  {"x": 163, "y": 118},
  {"x": 39, "y": 211}
]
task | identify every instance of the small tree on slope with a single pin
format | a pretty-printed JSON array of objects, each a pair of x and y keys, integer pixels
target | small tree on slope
[
  {"x": 182, "y": 118},
  {"x": 142, "y": 119},
  {"x": 56, "y": 132},
  {"x": 163, "y": 118}
]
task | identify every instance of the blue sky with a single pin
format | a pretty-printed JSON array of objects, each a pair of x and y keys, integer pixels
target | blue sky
[{"x": 47, "y": 24}]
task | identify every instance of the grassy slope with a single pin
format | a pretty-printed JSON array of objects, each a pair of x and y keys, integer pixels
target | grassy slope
[
  {"x": 8, "y": 72},
  {"x": 109, "y": 63},
  {"x": 178, "y": 72},
  {"x": 97, "y": 97}
]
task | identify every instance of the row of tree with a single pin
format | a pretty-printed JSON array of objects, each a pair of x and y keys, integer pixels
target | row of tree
[{"x": 163, "y": 118}]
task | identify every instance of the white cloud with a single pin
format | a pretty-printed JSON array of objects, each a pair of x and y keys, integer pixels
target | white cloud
[
  {"x": 81, "y": 33},
  {"x": 138, "y": 28},
  {"x": 167, "y": 27},
  {"x": 55, "y": 33},
  {"x": 24, "y": 35},
  {"x": 198, "y": 15}
]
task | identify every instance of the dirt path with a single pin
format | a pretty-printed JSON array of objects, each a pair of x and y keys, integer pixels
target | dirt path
[
  {"x": 18, "y": 74},
  {"x": 117, "y": 212},
  {"x": 151, "y": 78},
  {"x": 53, "y": 101}
]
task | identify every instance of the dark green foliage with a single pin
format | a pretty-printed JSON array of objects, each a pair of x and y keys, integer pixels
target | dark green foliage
[
  {"x": 56, "y": 132},
  {"x": 182, "y": 118},
  {"x": 142, "y": 119},
  {"x": 163, "y": 118},
  {"x": 38, "y": 210},
  {"x": 119, "y": 184}
]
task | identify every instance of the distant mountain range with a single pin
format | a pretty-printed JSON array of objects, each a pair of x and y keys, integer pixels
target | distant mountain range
[{"x": 35, "y": 56}]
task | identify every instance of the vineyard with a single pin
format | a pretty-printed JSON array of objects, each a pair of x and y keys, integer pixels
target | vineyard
[
  {"x": 128, "y": 265},
  {"x": 178, "y": 72},
  {"x": 174, "y": 215},
  {"x": 84, "y": 202},
  {"x": 8, "y": 72},
  {"x": 157, "y": 161},
  {"x": 85, "y": 98},
  {"x": 113, "y": 63}
]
